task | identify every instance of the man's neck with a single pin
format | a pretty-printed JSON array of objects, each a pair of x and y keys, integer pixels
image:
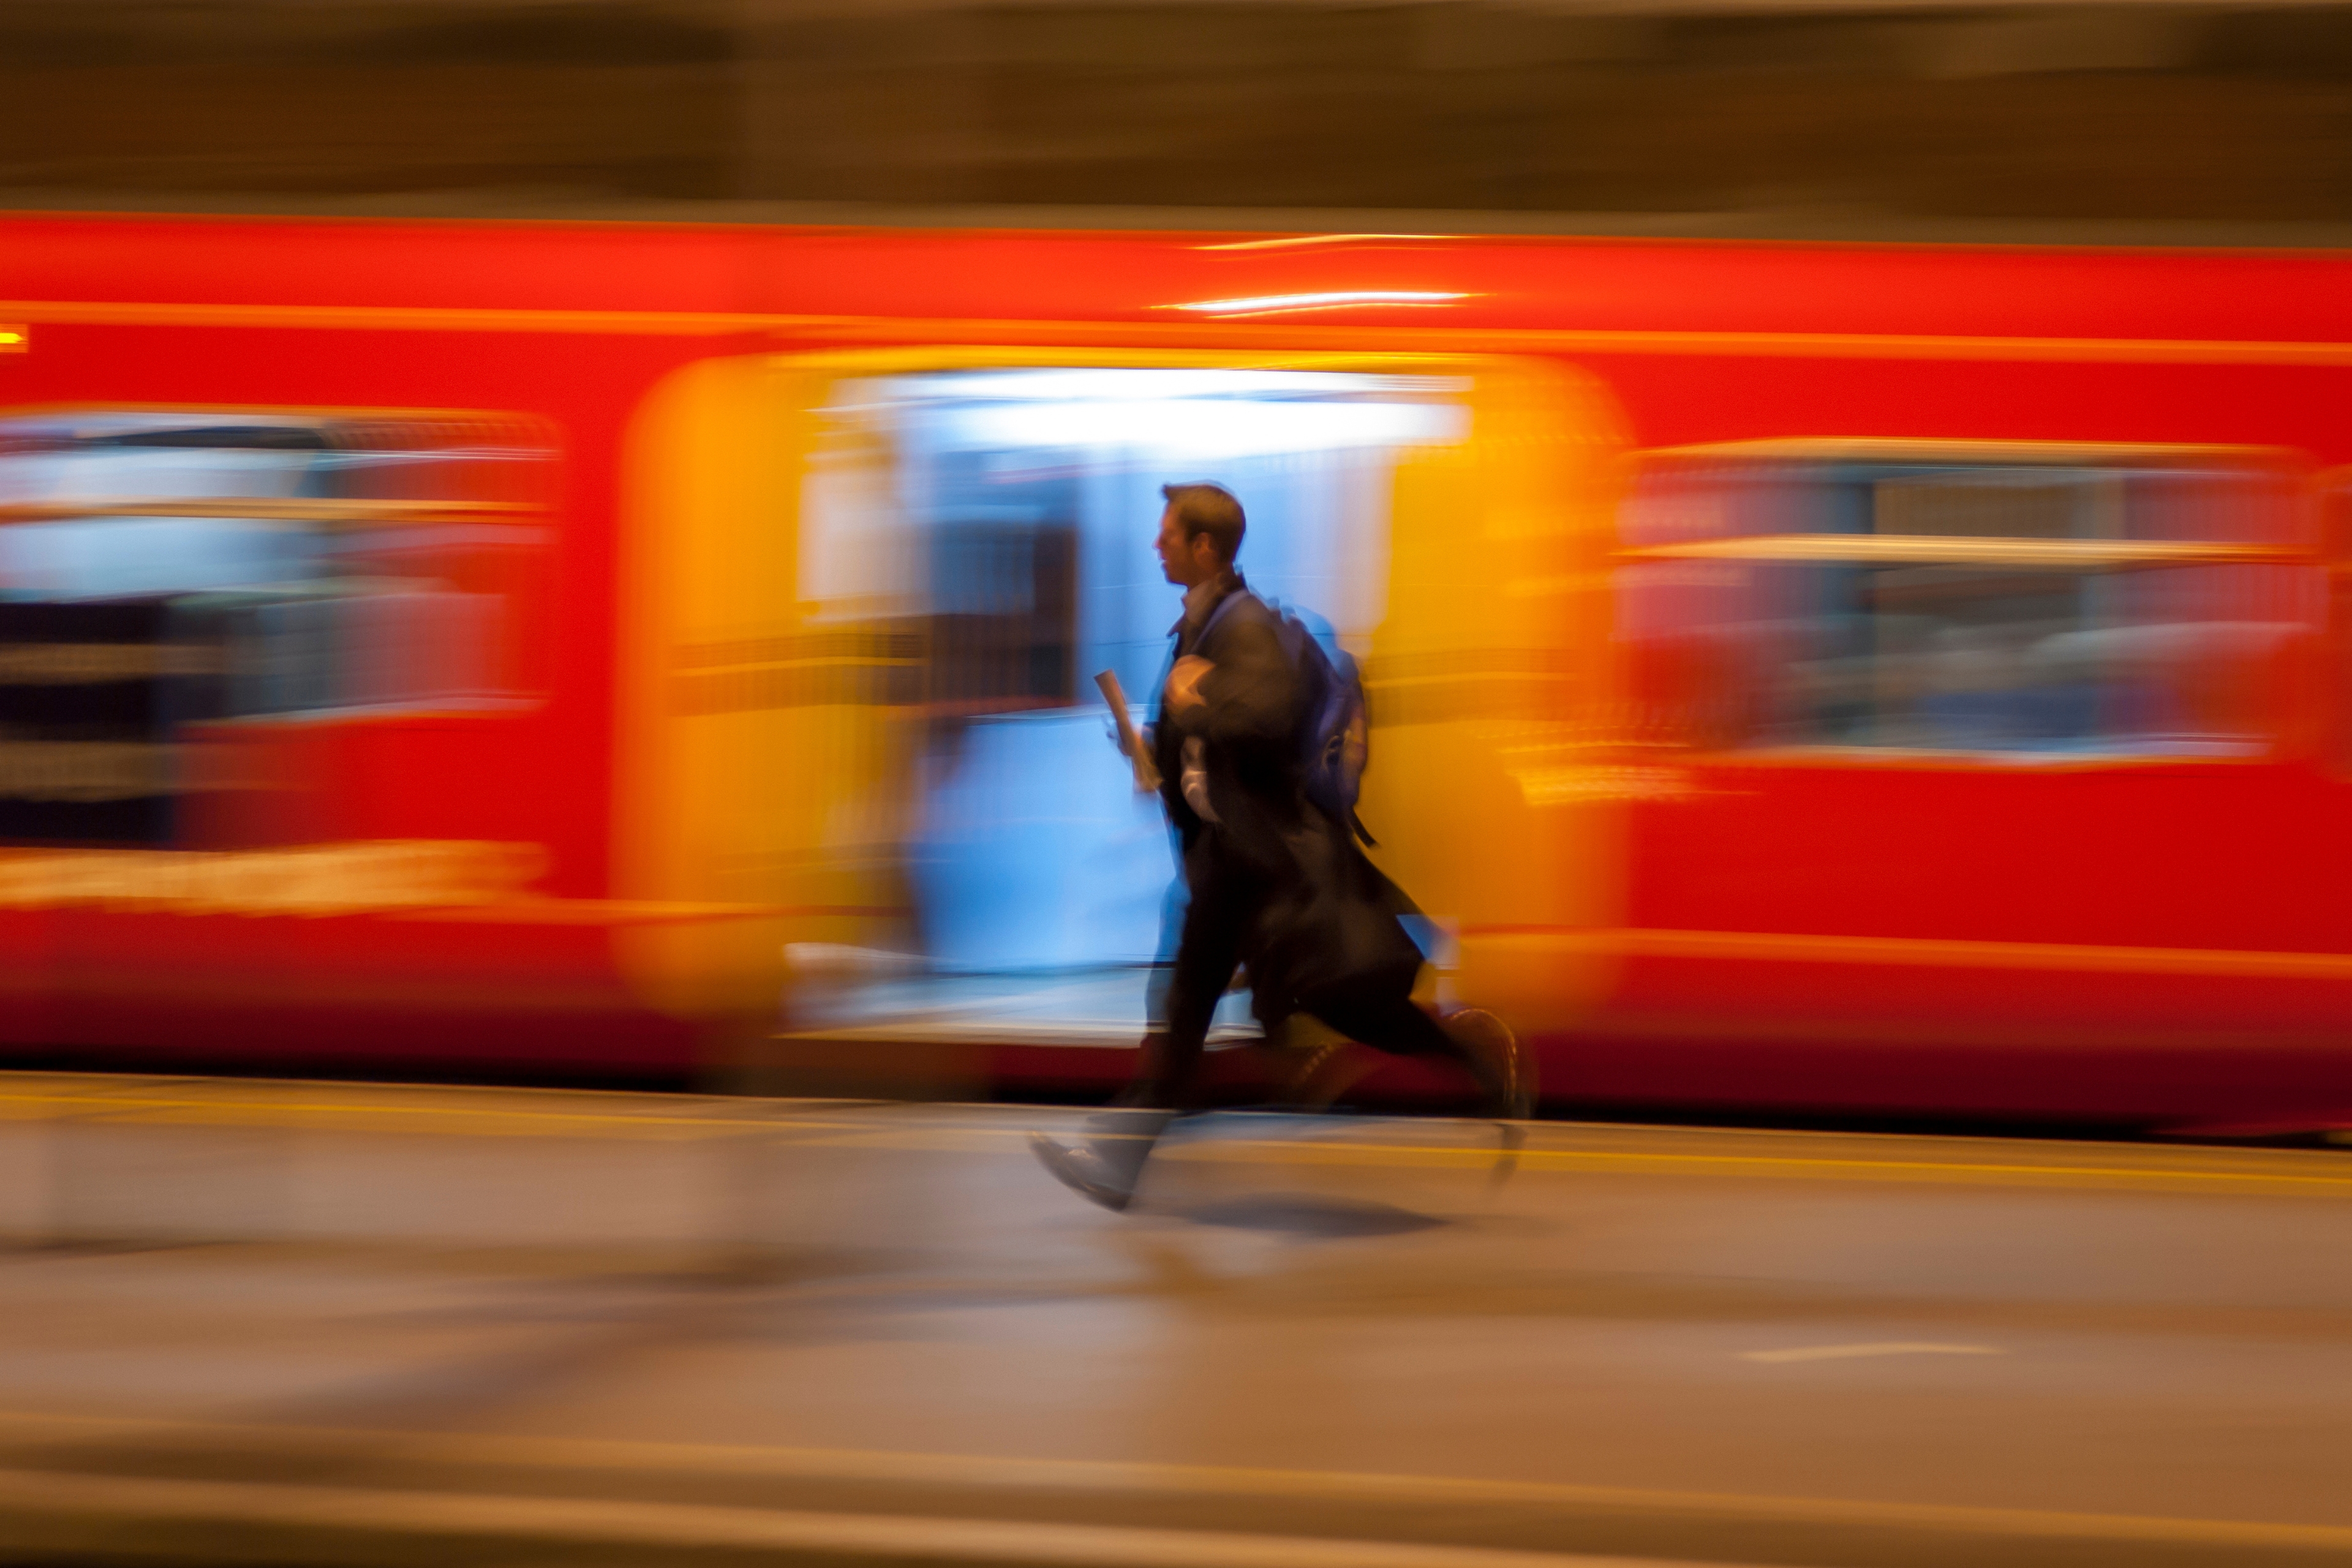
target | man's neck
[{"x": 1202, "y": 595}]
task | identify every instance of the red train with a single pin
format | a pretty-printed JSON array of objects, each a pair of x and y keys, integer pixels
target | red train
[{"x": 1885, "y": 678}]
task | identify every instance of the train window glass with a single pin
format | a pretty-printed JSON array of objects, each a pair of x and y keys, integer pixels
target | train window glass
[
  {"x": 2017, "y": 603},
  {"x": 117, "y": 558},
  {"x": 375, "y": 555},
  {"x": 1004, "y": 521},
  {"x": 159, "y": 569},
  {"x": 1993, "y": 503}
]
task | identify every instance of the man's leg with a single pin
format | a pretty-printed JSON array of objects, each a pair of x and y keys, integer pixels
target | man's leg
[
  {"x": 1207, "y": 956},
  {"x": 1159, "y": 982},
  {"x": 1384, "y": 1017},
  {"x": 1108, "y": 1167}
]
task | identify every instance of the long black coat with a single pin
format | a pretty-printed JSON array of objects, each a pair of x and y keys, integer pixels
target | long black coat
[{"x": 1316, "y": 914}]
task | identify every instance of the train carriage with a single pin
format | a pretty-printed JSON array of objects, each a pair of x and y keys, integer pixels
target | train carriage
[{"x": 1902, "y": 679}]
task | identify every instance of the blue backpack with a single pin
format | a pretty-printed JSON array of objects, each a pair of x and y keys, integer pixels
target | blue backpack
[
  {"x": 1335, "y": 728},
  {"x": 1334, "y": 732}
]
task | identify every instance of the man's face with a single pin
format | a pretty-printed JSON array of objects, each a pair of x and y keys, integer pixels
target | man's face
[{"x": 1179, "y": 558}]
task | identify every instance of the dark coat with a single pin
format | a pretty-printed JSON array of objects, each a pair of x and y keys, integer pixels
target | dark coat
[{"x": 1317, "y": 914}]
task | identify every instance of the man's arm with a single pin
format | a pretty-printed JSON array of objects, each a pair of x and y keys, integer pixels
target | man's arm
[{"x": 1247, "y": 692}]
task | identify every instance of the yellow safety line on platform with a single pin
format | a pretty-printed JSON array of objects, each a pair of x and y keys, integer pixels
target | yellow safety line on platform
[
  {"x": 811, "y": 1464},
  {"x": 1686, "y": 1164},
  {"x": 490, "y": 1122},
  {"x": 1475, "y": 1155}
]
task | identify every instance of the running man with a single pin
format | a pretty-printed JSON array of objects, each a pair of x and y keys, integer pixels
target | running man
[{"x": 1275, "y": 882}]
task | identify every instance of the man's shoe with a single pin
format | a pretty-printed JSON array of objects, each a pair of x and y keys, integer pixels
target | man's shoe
[
  {"x": 1509, "y": 1138},
  {"x": 1082, "y": 1171},
  {"x": 1332, "y": 1071},
  {"x": 1508, "y": 1066}
]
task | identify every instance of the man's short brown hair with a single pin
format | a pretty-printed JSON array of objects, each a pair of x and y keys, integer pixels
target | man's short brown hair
[{"x": 1211, "y": 510}]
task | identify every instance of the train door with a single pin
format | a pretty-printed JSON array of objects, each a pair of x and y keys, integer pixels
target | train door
[
  {"x": 961, "y": 538},
  {"x": 1990, "y": 759}
]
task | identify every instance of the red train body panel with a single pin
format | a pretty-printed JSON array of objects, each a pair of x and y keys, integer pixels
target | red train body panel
[{"x": 2166, "y": 940}]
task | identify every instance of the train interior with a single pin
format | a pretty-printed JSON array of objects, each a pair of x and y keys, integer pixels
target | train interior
[{"x": 1014, "y": 512}]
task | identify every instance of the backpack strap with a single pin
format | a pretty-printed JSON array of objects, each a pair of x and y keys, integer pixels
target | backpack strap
[{"x": 1240, "y": 592}]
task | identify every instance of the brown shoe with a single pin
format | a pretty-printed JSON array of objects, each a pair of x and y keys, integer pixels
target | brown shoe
[
  {"x": 1334, "y": 1067},
  {"x": 1492, "y": 1044}
]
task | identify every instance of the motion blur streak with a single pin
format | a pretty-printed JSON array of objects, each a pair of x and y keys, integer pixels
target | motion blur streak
[
  {"x": 1800, "y": 676},
  {"x": 1275, "y": 304},
  {"x": 1287, "y": 242}
]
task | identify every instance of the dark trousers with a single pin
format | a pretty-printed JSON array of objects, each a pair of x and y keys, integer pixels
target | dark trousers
[{"x": 1377, "y": 1011}]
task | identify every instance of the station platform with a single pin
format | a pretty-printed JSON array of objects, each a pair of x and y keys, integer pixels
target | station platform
[{"x": 325, "y": 1324}]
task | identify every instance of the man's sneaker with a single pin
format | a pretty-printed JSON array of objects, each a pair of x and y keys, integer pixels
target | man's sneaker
[
  {"x": 1331, "y": 1070},
  {"x": 1508, "y": 1066},
  {"x": 1082, "y": 1171},
  {"x": 1490, "y": 1040}
]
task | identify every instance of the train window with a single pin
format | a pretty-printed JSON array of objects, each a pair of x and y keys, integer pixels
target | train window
[
  {"x": 2048, "y": 601},
  {"x": 163, "y": 568}
]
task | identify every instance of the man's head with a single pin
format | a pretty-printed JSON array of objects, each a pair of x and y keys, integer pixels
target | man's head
[{"x": 1200, "y": 533}]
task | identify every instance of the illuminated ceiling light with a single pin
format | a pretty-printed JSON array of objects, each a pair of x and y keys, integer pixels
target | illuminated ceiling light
[
  {"x": 1127, "y": 385},
  {"x": 1290, "y": 242},
  {"x": 1198, "y": 427},
  {"x": 15, "y": 340},
  {"x": 1269, "y": 304}
]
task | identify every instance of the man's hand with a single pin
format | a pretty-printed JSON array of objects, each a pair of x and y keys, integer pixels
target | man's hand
[{"x": 1184, "y": 684}]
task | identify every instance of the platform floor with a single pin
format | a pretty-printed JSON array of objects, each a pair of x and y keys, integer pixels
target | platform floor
[{"x": 620, "y": 1328}]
